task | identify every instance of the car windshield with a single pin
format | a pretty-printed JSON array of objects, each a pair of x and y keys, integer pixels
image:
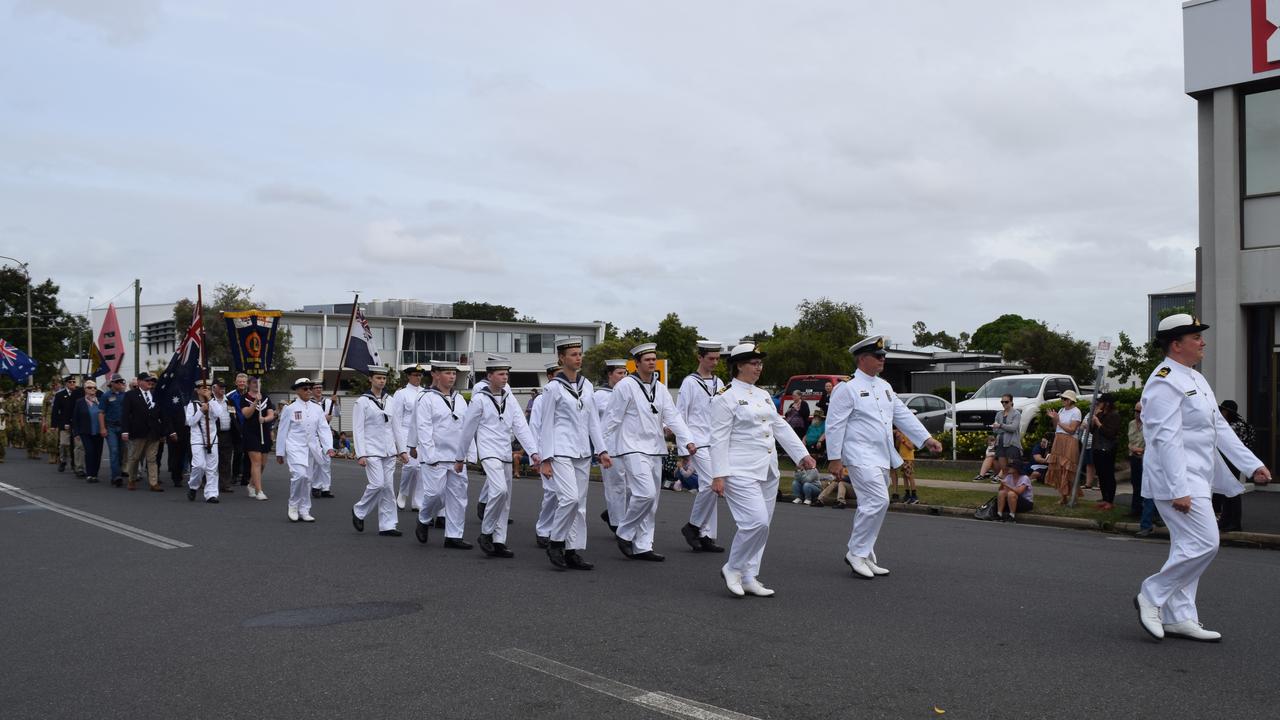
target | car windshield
[
  {"x": 806, "y": 386},
  {"x": 1017, "y": 387}
]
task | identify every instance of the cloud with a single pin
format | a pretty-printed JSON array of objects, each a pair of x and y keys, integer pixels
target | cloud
[
  {"x": 122, "y": 22},
  {"x": 430, "y": 248},
  {"x": 282, "y": 194}
]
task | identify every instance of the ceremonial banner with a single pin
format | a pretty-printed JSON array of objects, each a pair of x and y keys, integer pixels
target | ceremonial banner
[
  {"x": 362, "y": 351},
  {"x": 252, "y": 337},
  {"x": 110, "y": 345},
  {"x": 97, "y": 362}
]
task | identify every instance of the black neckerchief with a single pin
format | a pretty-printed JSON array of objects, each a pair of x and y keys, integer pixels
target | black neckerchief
[
  {"x": 449, "y": 400},
  {"x": 381, "y": 402},
  {"x": 573, "y": 388},
  {"x": 710, "y": 392},
  {"x": 650, "y": 396},
  {"x": 501, "y": 408}
]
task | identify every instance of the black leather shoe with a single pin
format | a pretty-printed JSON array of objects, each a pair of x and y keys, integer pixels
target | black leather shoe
[
  {"x": 457, "y": 544},
  {"x": 555, "y": 553},
  {"x": 626, "y": 547},
  {"x": 649, "y": 555},
  {"x": 440, "y": 523},
  {"x": 500, "y": 550},
  {"x": 117, "y": 482},
  {"x": 486, "y": 544},
  {"x": 213, "y": 500},
  {"x": 709, "y": 545},
  {"x": 543, "y": 541},
  {"x": 91, "y": 479},
  {"x": 576, "y": 561},
  {"x": 326, "y": 494},
  {"x": 390, "y": 533},
  {"x": 177, "y": 483},
  {"x": 357, "y": 522},
  {"x": 191, "y": 494},
  {"x": 224, "y": 488},
  {"x": 480, "y": 510},
  {"x": 421, "y": 532},
  {"x": 691, "y": 535},
  {"x": 315, "y": 493},
  {"x": 62, "y": 467}
]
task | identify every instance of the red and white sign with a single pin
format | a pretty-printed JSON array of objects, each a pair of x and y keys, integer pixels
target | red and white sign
[{"x": 1266, "y": 35}]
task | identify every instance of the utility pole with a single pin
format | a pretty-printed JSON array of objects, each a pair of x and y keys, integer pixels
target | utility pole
[{"x": 137, "y": 327}]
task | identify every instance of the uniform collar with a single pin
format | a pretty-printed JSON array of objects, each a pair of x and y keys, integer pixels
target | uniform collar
[{"x": 858, "y": 374}]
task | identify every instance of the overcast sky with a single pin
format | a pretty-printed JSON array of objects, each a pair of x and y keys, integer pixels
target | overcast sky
[{"x": 938, "y": 160}]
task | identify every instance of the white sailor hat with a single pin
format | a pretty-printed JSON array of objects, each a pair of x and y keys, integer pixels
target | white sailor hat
[
  {"x": 414, "y": 368},
  {"x": 199, "y": 383},
  {"x": 497, "y": 362},
  {"x": 444, "y": 365},
  {"x": 613, "y": 364},
  {"x": 710, "y": 346},
  {"x": 644, "y": 348},
  {"x": 552, "y": 367},
  {"x": 303, "y": 382},
  {"x": 1175, "y": 326},
  {"x": 875, "y": 345},
  {"x": 566, "y": 343},
  {"x": 745, "y": 351},
  {"x": 377, "y": 370}
]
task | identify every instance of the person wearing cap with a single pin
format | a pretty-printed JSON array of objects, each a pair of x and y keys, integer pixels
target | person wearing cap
[
  {"x": 204, "y": 417},
  {"x": 1186, "y": 440},
  {"x": 547, "y": 509},
  {"x": 378, "y": 442},
  {"x": 492, "y": 418},
  {"x": 613, "y": 479},
  {"x": 90, "y": 429},
  {"x": 436, "y": 435},
  {"x": 483, "y": 383},
  {"x": 226, "y": 448},
  {"x": 745, "y": 430},
  {"x": 1065, "y": 452},
  {"x": 570, "y": 437},
  {"x": 69, "y": 448},
  {"x": 860, "y": 422},
  {"x": 301, "y": 426},
  {"x": 406, "y": 401},
  {"x": 145, "y": 427},
  {"x": 639, "y": 408},
  {"x": 322, "y": 469},
  {"x": 694, "y": 405},
  {"x": 113, "y": 413}
]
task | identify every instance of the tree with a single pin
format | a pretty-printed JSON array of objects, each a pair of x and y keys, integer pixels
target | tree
[
  {"x": 819, "y": 342},
  {"x": 610, "y": 331},
  {"x": 1049, "y": 351},
  {"x": 611, "y": 348},
  {"x": 53, "y": 330},
  {"x": 679, "y": 342},
  {"x": 923, "y": 338},
  {"x": 992, "y": 337},
  {"x": 1132, "y": 362},
  {"x": 463, "y": 310},
  {"x": 635, "y": 336},
  {"x": 228, "y": 298}
]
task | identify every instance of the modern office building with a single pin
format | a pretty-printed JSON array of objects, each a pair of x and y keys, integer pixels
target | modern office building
[{"x": 1162, "y": 303}]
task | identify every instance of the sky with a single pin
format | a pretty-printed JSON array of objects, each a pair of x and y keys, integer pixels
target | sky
[{"x": 936, "y": 161}]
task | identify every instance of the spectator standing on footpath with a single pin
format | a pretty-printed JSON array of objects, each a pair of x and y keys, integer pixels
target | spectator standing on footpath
[
  {"x": 1141, "y": 508},
  {"x": 825, "y": 400},
  {"x": 1231, "y": 509},
  {"x": 112, "y": 402},
  {"x": 1066, "y": 449},
  {"x": 1106, "y": 433},
  {"x": 907, "y": 451},
  {"x": 1008, "y": 431},
  {"x": 90, "y": 427}
]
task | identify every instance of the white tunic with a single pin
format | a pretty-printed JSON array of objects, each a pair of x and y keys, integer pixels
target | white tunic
[
  {"x": 373, "y": 428},
  {"x": 745, "y": 425},
  {"x": 436, "y": 430},
  {"x": 224, "y": 420},
  {"x": 406, "y": 401},
  {"x": 636, "y": 413},
  {"x": 694, "y": 405},
  {"x": 860, "y": 421},
  {"x": 491, "y": 422},
  {"x": 302, "y": 426},
  {"x": 569, "y": 423},
  {"x": 195, "y": 420}
]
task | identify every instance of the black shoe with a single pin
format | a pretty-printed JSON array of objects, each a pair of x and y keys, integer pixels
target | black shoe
[
  {"x": 315, "y": 493},
  {"x": 213, "y": 500},
  {"x": 510, "y": 521},
  {"x": 177, "y": 482},
  {"x": 543, "y": 541},
  {"x": 326, "y": 494},
  {"x": 894, "y": 498},
  {"x": 500, "y": 550},
  {"x": 440, "y": 523},
  {"x": 626, "y": 547},
  {"x": 480, "y": 511},
  {"x": 91, "y": 480},
  {"x": 1004, "y": 517},
  {"x": 576, "y": 561},
  {"x": 224, "y": 488},
  {"x": 840, "y": 505},
  {"x": 486, "y": 544},
  {"x": 357, "y": 522},
  {"x": 709, "y": 545},
  {"x": 649, "y": 555},
  {"x": 191, "y": 494},
  {"x": 62, "y": 467},
  {"x": 420, "y": 532},
  {"x": 817, "y": 503},
  {"x": 117, "y": 482},
  {"x": 457, "y": 544},
  {"x": 691, "y": 535},
  {"x": 555, "y": 553},
  {"x": 390, "y": 533},
  {"x": 1144, "y": 532}
]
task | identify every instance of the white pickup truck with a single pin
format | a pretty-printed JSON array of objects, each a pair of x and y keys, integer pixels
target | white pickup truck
[{"x": 977, "y": 412}]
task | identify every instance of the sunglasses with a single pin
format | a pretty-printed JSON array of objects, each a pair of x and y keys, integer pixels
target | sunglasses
[{"x": 1006, "y": 402}]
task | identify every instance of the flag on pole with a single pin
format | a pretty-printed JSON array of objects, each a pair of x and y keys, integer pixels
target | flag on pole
[
  {"x": 252, "y": 336},
  {"x": 178, "y": 381},
  {"x": 110, "y": 346},
  {"x": 15, "y": 363},
  {"x": 96, "y": 361},
  {"x": 362, "y": 351}
]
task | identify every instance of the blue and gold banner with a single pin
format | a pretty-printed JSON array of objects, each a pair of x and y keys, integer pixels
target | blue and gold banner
[{"x": 252, "y": 337}]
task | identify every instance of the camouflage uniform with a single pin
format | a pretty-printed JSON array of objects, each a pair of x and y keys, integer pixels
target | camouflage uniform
[{"x": 49, "y": 434}]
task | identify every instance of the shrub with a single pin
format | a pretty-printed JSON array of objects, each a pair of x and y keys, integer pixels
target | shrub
[{"x": 969, "y": 445}]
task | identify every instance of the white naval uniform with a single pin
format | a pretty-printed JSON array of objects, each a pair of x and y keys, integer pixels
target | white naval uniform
[
  {"x": 745, "y": 425},
  {"x": 204, "y": 462},
  {"x": 506, "y": 392},
  {"x": 1184, "y": 433},
  {"x": 694, "y": 405},
  {"x": 406, "y": 401},
  {"x": 491, "y": 422},
  {"x": 322, "y": 468},
  {"x": 302, "y": 425},
  {"x": 633, "y": 423},
  {"x": 860, "y": 420},
  {"x": 547, "y": 509},
  {"x": 613, "y": 478},
  {"x": 569, "y": 436},
  {"x": 436, "y": 432},
  {"x": 376, "y": 437}
]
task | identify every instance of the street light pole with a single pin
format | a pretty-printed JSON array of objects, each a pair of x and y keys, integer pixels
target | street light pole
[{"x": 26, "y": 272}]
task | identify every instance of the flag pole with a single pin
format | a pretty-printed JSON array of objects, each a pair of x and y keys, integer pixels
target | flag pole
[
  {"x": 204, "y": 359},
  {"x": 346, "y": 343}
]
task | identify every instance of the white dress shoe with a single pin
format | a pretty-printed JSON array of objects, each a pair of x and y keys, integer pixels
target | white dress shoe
[
  {"x": 1192, "y": 630},
  {"x": 875, "y": 569},
  {"x": 1149, "y": 616},
  {"x": 733, "y": 581},
  {"x": 400, "y": 501},
  {"x": 307, "y": 518},
  {"x": 859, "y": 565},
  {"x": 293, "y": 514},
  {"x": 754, "y": 587}
]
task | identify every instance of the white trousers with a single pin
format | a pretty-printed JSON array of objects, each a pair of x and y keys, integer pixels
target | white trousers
[
  {"x": 751, "y": 502},
  {"x": 411, "y": 483},
  {"x": 872, "y": 487},
  {"x": 497, "y": 488},
  {"x": 1193, "y": 543},
  {"x": 615, "y": 492},
  {"x": 379, "y": 492},
  {"x": 444, "y": 488},
  {"x": 569, "y": 525},
  {"x": 704, "y": 513},
  {"x": 321, "y": 470},
  {"x": 547, "y": 511},
  {"x": 204, "y": 466},
  {"x": 644, "y": 488},
  {"x": 299, "y": 484}
]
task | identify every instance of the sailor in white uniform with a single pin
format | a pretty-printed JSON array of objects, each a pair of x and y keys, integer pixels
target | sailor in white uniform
[
  {"x": 613, "y": 479},
  {"x": 204, "y": 416},
  {"x": 406, "y": 401},
  {"x": 639, "y": 409},
  {"x": 301, "y": 425},
  {"x": 547, "y": 510},
  {"x": 436, "y": 433},
  {"x": 483, "y": 383},
  {"x": 745, "y": 429},
  {"x": 1186, "y": 437},
  {"x": 492, "y": 418},
  {"x": 322, "y": 468},
  {"x": 694, "y": 405},
  {"x": 569, "y": 437},
  {"x": 377, "y": 441},
  {"x": 860, "y": 419}
]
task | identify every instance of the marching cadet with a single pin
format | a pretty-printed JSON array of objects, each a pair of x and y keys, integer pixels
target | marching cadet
[
  {"x": 436, "y": 434},
  {"x": 483, "y": 500},
  {"x": 301, "y": 425},
  {"x": 204, "y": 416},
  {"x": 569, "y": 427},
  {"x": 226, "y": 448},
  {"x": 1185, "y": 433},
  {"x": 378, "y": 442},
  {"x": 615, "y": 483},
  {"x": 491, "y": 419},
  {"x": 745, "y": 424},
  {"x": 406, "y": 400},
  {"x": 860, "y": 422},
  {"x": 322, "y": 468},
  {"x": 694, "y": 405},
  {"x": 638, "y": 410},
  {"x": 547, "y": 510}
]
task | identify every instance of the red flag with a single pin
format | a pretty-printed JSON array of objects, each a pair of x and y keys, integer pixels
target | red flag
[{"x": 109, "y": 343}]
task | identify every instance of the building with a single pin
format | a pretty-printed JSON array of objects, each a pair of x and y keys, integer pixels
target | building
[
  {"x": 158, "y": 340},
  {"x": 1232, "y": 71},
  {"x": 1164, "y": 302}
]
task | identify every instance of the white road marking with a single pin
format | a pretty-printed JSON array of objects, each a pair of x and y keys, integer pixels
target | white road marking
[
  {"x": 120, "y": 528},
  {"x": 665, "y": 703}
]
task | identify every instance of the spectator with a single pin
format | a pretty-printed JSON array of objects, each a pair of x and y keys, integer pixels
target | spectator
[
  {"x": 1066, "y": 449},
  {"x": 1040, "y": 458},
  {"x": 1106, "y": 433},
  {"x": 797, "y": 415},
  {"x": 826, "y": 397},
  {"x": 987, "y": 472},
  {"x": 815, "y": 438},
  {"x": 90, "y": 426},
  {"x": 907, "y": 451},
  {"x": 344, "y": 446},
  {"x": 1230, "y": 509},
  {"x": 686, "y": 478},
  {"x": 1008, "y": 430},
  {"x": 1015, "y": 495},
  {"x": 669, "y": 465},
  {"x": 1139, "y": 507},
  {"x": 838, "y": 488},
  {"x": 805, "y": 487}
]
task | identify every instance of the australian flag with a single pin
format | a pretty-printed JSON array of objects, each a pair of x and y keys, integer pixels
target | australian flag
[
  {"x": 178, "y": 381},
  {"x": 15, "y": 363}
]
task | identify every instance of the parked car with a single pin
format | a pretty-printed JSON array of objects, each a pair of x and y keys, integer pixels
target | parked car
[
  {"x": 809, "y": 387},
  {"x": 978, "y": 411},
  {"x": 932, "y": 411}
]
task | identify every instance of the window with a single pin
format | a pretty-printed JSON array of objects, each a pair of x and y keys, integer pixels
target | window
[
  {"x": 535, "y": 343},
  {"x": 331, "y": 338},
  {"x": 518, "y": 342},
  {"x": 504, "y": 342},
  {"x": 313, "y": 336},
  {"x": 1262, "y": 143},
  {"x": 918, "y": 404}
]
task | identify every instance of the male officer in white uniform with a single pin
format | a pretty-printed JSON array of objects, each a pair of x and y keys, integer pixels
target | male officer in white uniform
[
  {"x": 406, "y": 401},
  {"x": 613, "y": 479},
  {"x": 377, "y": 441},
  {"x": 322, "y": 468},
  {"x": 204, "y": 416},
  {"x": 860, "y": 420},
  {"x": 436, "y": 434},
  {"x": 1184, "y": 433},
  {"x": 301, "y": 425},
  {"x": 694, "y": 405},
  {"x": 547, "y": 510},
  {"x": 482, "y": 384},
  {"x": 638, "y": 410}
]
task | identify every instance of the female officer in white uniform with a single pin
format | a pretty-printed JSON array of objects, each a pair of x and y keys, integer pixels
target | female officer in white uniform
[{"x": 744, "y": 462}]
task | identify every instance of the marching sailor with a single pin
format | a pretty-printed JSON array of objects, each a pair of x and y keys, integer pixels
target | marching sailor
[
  {"x": 506, "y": 391},
  {"x": 378, "y": 443},
  {"x": 694, "y": 405},
  {"x": 322, "y": 471},
  {"x": 204, "y": 416},
  {"x": 615, "y": 483},
  {"x": 301, "y": 426},
  {"x": 547, "y": 510},
  {"x": 491, "y": 419},
  {"x": 638, "y": 410},
  {"x": 860, "y": 421},
  {"x": 436, "y": 433},
  {"x": 406, "y": 400},
  {"x": 1186, "y": 437},
  {"x": 569, "y": 437}
]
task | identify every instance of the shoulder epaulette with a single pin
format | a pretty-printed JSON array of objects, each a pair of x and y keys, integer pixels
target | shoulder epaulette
[
  {"x": 723, "y": 390},
  {"x": 1163, "y": 372}
]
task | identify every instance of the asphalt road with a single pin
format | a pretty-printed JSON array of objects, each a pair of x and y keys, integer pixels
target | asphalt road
[{"x": 263, "y": 618}]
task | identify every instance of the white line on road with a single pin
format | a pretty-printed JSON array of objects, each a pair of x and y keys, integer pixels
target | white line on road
[
  {"x": 128, "y": 531},
  {"x": 665, "y": 703}
]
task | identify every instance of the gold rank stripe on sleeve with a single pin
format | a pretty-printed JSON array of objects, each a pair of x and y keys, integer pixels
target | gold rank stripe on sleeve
[{"x": 1163, "y": 372}]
